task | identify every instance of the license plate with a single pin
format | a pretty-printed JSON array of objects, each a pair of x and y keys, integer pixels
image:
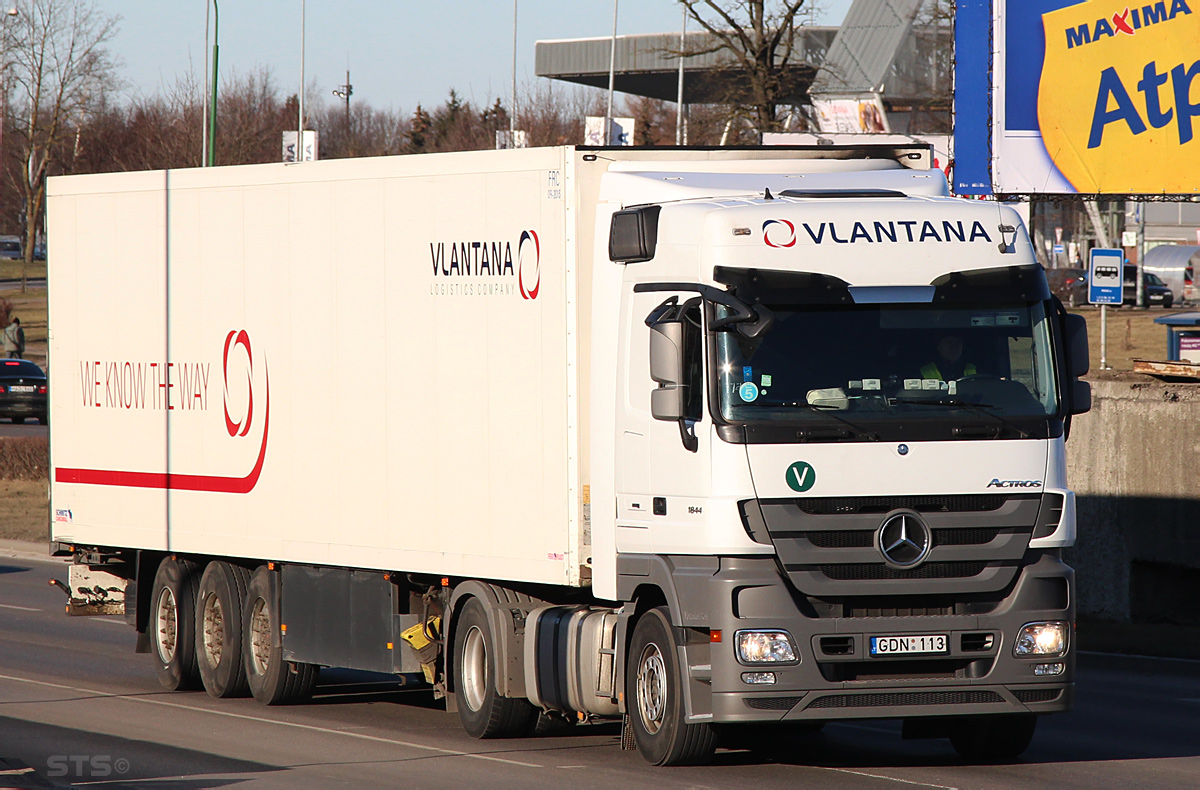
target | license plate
[
  {"x": 21, "y": 388},
  {"x": 908, "y": 645}
]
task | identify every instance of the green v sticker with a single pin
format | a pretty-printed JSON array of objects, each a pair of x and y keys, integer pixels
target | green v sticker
[{"x": 801, "y": 476}]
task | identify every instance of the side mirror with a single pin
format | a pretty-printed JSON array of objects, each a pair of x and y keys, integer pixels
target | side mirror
[
  {"x": 1081, "y": 397},
  {"x": 1077, "y": 346},
  {"x": 1078, "y": 363},
  {"x": 666, "y": 368}
]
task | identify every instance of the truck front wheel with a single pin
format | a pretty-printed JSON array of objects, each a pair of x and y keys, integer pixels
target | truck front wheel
[
  {"x": 654, "y": 694},
  {"x": 272, "y": 680},
  {"x": 173, "y": 619},
  {"x": 219, "y": 629},
  {"x": 989, "y": 738},
  {"x": 483, "y": 712}
]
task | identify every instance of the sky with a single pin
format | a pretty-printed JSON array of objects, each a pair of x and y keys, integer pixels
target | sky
[{"x": 399, "y": 52}]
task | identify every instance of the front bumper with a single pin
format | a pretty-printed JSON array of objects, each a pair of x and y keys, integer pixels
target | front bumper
[
  {"x": 20, "y": 405},
  {"x": 837, "y": 678}
]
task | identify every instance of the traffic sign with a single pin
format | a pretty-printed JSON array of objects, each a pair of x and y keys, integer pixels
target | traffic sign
[{"x": 1105, "y": 285}]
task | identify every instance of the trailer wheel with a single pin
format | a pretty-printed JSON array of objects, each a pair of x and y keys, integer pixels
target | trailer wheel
[
  {"x": 654, "y": 694},
  {"x": 272, "y": 680},
  {"x": 483, "y": 712},
  {"x": 173, "y": 621},
  {"x": 993, "y": 738},
  {"x": 219, "y": 629}
]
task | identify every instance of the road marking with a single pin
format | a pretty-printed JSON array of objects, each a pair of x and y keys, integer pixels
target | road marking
[
  {"x": 294, "y": 725},
  {"x": 19, "y": 608},
  {"x": 880, "y": 776}
]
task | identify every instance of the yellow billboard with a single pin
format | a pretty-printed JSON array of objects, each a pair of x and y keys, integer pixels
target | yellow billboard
[{"x": 1119, "y": 99}]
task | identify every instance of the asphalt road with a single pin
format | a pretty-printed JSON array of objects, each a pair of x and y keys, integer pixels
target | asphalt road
[
  {"x": 30, "y": 428},
  {"x": 81, "y": 709}
]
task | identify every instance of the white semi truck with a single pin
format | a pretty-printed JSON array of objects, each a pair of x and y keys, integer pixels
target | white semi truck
[{"x": 704, "y": 439}]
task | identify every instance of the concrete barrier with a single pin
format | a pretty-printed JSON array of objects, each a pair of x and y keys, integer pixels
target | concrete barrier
[{"x": 1134, "y": 462}]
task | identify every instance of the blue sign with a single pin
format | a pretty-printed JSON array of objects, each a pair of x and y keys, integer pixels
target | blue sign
[
  {"x": 748, "y": 392},
  {"x": 1105, "y": 285}
]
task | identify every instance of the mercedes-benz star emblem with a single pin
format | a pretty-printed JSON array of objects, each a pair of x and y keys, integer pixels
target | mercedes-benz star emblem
[{"x": 904, "y": 540}]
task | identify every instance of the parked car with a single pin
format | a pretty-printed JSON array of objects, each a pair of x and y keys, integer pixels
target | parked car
[
  {"x": 1157, "y": 292},
  {"x": 1069, "y": 285},
  {"x": 10, "y": 248},
  {"x": 23, "y": 389}
]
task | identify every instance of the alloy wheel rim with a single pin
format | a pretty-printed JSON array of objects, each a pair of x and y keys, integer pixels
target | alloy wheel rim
[{"x": 652, "y": 688}]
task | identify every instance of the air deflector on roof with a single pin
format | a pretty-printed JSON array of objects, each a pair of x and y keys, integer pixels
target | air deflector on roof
[{"x": 842, "y": 193}]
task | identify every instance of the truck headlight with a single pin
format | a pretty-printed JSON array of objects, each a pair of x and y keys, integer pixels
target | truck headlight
[
  {"x": 1042, "y": 639},
  {"x": 765, "y": 647}
]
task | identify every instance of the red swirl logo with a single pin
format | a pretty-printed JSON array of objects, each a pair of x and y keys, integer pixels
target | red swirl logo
[
  {"x": 780, "y": 240},
  {"x": 529, "y": 264},
  {"x": 239, "y": 427}
]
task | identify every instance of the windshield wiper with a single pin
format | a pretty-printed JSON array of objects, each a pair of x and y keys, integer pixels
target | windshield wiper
[
  {"x": 955, "y": 403},
  {"x": 806, "y": 433}
]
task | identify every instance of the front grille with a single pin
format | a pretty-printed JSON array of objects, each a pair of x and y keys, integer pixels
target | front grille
[
  {"x": 1038, "y": 695},
  {"x": 907, "y": 698},
  {"x": 852, "y": 609},
  {"x": 841, "y": 539},
  {"x": 958, "y": 503},
  {"x": 964, "y": 536},
  {"x": 863, "y": 539},
  {"x": 827, "y": 545},
  {"x": 772, "y": 703},
  {"x": 862, "y": 571}
]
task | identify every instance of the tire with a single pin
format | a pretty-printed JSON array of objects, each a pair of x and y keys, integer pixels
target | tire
[
  {"x": 654, "y": 694},
  {"x": 993, "y": 738},
  {"x": 219, "y": 606},
  {"x": 481, "y": 709},
  {"x": 272, "y": 680},
  {"x": 173, "y": 623}
]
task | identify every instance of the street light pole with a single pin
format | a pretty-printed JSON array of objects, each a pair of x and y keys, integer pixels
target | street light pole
[
  {"x": 300, "y": 119},
  {"x": 212, "y": 115},
  {"x": 679, "y": 135},
  {"x": 11, "y": 12},
  {"x": 612, "y": 72},
  {"x": 204, "y": 96},
  {"x": 512, "y": 115}
]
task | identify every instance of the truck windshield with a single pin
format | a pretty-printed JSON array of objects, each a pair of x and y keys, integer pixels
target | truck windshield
[{"x": 864, "y": 363}]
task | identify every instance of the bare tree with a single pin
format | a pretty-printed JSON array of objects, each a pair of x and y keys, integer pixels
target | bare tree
[
  {"x": 61, "y": 71},
  {"x": 761, "y": 38}
]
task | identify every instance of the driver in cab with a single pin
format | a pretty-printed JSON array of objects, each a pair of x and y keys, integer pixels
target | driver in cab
[{"x": 949, "y": 364}]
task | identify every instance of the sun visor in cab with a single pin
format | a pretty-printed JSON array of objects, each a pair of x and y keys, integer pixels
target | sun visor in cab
[
  {"x": 634, "y": 235},
  {"x": 1002, "y": 284}
]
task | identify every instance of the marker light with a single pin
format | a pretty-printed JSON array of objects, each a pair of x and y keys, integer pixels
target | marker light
[
  {"x": 1041, "y": 639},
  {"x": 765, "y": 647},
  {"x": 758, "y": 678}
]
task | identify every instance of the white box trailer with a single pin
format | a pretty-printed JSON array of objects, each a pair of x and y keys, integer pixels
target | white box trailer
[
  {"x": 376, "y": 363},
  {"x": 556, "y": 426}
]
